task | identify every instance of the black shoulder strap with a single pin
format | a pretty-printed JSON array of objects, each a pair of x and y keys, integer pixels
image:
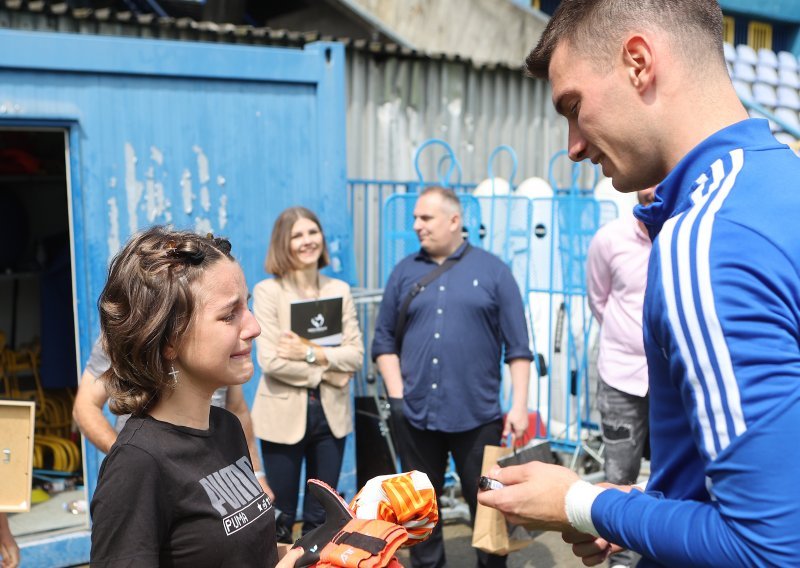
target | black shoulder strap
[{"x": 400, "y": 326}]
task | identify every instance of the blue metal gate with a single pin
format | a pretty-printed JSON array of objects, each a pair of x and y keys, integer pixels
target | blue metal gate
[{"x": 543, "y": 240}]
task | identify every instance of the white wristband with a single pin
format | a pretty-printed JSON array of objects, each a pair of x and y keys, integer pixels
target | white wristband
[
  {"x": 260, "y": 474},
  {"x": 578, "y": 503}
]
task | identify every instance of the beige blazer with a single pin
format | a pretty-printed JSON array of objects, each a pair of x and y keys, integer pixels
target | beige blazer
[{"x": 279, "y": 410}]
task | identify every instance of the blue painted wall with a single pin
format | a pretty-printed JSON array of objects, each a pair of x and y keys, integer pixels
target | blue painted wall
[{"x": 210, "y": 137}]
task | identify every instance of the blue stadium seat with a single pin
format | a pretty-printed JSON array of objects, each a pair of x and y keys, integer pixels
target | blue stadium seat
[
  {"x": 743, "y": 89},
  {"x": 766, "y": 74},
  {"x": 787, "y": 97},
  {"x": 744, "y": 72},
  {"x": 746, "y": 54},
  {"x": 787, "y": 60},
  {"x": 788, "y": 78},
  {"x": 767, "y": 57},
  {"x": 788, "y": 116},
  {"x": 765, "y": 95}
]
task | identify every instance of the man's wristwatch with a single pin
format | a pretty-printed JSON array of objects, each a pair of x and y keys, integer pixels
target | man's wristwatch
[{"x": 311, "y": 355}]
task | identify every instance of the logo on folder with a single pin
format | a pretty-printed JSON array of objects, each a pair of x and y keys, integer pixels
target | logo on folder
[
  {"x": 318, "y": 323},
  {"x": 319, "y": 320}
]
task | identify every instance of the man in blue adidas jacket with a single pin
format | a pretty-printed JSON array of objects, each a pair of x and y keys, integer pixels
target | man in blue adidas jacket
[{"x": 644, "y": 87}]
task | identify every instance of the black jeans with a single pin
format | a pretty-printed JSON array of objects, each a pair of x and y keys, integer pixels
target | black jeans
[
  {"x": 427, "y": 451},
  {"x": 282, "y": 463}
]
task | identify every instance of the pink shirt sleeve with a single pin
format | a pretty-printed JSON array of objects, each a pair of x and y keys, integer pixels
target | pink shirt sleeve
[{"x": 598, "y": 274}]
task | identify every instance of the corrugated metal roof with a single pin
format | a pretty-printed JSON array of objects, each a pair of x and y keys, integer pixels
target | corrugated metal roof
[{"x": 61, "y": 17}]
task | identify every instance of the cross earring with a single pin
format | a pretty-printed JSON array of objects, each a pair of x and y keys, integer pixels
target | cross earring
[{"x": 174, "y": 373}]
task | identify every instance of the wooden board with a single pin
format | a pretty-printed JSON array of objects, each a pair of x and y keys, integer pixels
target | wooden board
[{"x": 16, "y": 455}]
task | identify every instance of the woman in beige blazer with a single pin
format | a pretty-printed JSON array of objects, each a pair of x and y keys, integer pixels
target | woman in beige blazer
[{"x": 302, "y": 408}]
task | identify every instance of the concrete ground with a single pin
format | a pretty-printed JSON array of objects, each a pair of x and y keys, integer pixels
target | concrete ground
[{"x": 546, "y": 551}]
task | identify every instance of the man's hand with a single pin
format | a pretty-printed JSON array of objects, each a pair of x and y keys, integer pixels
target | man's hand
[
  {"x": 516, "y": 423},
  {"x": 534, "y": 495},
  {"x": 517, "y": 418},
  {"x": 592, "y": 550},
  {"x": 291, "y": 347}
]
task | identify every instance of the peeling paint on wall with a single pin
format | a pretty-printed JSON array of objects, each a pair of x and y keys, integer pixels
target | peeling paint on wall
[
  {"x": 186, "y": 191},
  {"x": 156, "y": 207},
  {"x": 133, "y": 187},
  {"x": 205, "y": 199},
  {"x": 202, "y": 165},
  {"x": 223, "y": 211},
  {"x": 202, "y": 226},
  {"x": 113, "y": 228},
  {"x": 157, "y": 155},
  {"x": 155, "y": 201},
  {"x": 334, "y": 249}
]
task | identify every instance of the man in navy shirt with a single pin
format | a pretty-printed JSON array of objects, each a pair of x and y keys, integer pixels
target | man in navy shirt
[{"x": 445, "y": 377}]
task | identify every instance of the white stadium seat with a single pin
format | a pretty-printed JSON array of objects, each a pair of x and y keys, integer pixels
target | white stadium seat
[
  {"x": 789, "y": 117},
  {"x": 767, "y": 57},
  {"x": 788, "y": 78},
  {"x": 766, "y": 74},
  {"x": 730, "y": 52},
  {"x": 755, "y": 114},
  {"x": 788, "y": 98},
  {"x": 787, "y": 60},
  {"x": 743, "y": 89},
  {"x": 746, "y": 54},
  {"x": 744, "y": 72},
  {"x": 764, "y": 95},
  {"x": 785, "y": 138}
]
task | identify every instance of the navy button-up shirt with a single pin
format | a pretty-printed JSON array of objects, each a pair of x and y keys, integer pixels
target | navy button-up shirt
[{"x": 456, "y": 329}]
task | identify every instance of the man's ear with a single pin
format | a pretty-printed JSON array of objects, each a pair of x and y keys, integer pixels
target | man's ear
[
  {"x": 455, "y": 221},
  {"x": 638, "y": 58}
]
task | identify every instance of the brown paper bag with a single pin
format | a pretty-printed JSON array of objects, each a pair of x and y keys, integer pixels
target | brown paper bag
[{"x": 490, "y": 533}]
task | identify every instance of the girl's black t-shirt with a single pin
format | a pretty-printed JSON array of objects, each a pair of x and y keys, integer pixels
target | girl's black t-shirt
[{"x": 174, "y": 496}]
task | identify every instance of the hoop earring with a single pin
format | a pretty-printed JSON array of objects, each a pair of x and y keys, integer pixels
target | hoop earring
[{"x": 174, "y": 373}]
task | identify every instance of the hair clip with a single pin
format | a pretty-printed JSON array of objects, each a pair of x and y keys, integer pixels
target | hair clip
[{"x": 171, "y": 248}]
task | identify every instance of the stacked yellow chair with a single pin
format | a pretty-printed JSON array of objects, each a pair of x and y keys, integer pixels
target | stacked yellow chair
[{"x": 52, "y": 444}]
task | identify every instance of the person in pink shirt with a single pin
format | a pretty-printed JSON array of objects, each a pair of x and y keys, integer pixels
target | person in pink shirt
[{"x": 617, "y": 277}]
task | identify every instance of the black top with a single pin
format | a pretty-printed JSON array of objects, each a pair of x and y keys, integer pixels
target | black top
[{"x": 175, "y": 496}]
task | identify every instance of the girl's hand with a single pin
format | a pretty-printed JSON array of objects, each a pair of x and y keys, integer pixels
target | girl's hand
[{"x": 290, "y": 559}]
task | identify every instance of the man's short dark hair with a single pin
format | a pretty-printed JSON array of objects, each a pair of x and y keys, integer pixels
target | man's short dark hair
[{"x": 594, "y": 28}]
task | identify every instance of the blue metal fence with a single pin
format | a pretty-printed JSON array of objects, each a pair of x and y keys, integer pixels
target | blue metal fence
[{"x": 543, "y": 240}]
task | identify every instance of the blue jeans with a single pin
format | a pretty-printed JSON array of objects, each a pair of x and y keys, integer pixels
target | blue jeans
[{"x": 282, "y": 463}]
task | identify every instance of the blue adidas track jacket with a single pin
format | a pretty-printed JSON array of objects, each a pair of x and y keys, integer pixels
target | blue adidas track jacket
[{"x": 722, "y": 336}]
